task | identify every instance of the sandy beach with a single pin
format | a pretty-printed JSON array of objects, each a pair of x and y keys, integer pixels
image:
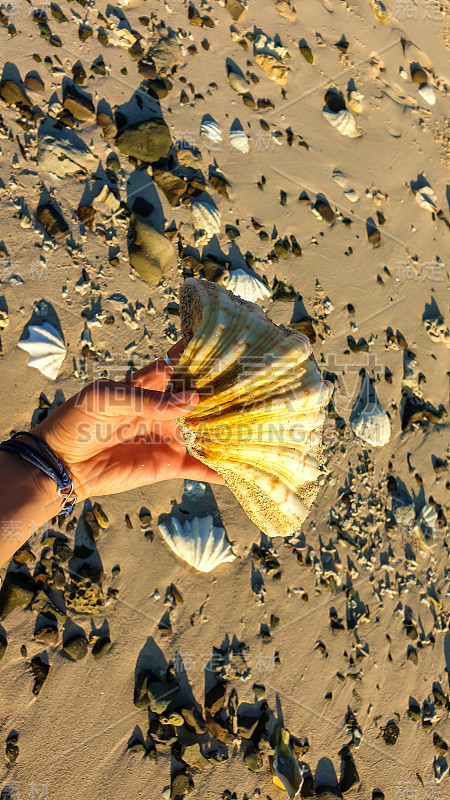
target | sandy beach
[{"x": 331, "y": 195}]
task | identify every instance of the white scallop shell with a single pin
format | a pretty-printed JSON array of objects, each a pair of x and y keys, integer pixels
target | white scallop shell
[
  {"x": 198, "y": 542},
  {"x": 210, "y": 129},
  {"x": 368, "y": 420},
  {"x": 46, "y": 349},
  {"x": 239, "y": 140},
  {"x": 206, "y": 217},
  {"x": 246, "y": 285},
  {"x": 343, "y": 121},
  {"x": 426, "y": 91},
  {"x": 426, "y": 198},
  {"x": 261, "y": 410}
]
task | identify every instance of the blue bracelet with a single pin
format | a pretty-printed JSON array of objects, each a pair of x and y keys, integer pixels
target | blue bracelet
[{"x": 59, "y": 473}]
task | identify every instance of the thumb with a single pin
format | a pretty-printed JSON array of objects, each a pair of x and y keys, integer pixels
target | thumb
[{"x": 178, "y": 404}]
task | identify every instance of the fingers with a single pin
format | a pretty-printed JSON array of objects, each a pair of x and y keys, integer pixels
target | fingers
[
  {"x": 120, "y": 399},
  {"x": 156, "y": 376},
  {"x": 197, "y": 471}
]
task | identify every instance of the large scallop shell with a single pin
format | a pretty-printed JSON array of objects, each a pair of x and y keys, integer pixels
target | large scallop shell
[
  {"x": 198, "y": 542},
  {"x": 46, "y": 348},
  {"x": 246, "y": 285},
  {"x": 261, "y": 409},
  {"x": 343, "y": 121}
]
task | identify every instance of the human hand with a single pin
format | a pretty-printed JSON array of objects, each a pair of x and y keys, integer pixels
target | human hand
[{"x": 114, "y": 436}]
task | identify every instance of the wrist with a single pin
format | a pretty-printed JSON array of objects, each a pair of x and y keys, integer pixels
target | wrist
[{"x": 41, "y": 488}]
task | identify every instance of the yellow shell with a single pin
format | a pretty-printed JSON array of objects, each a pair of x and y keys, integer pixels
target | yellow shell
[{"x": 261, "y": 409}]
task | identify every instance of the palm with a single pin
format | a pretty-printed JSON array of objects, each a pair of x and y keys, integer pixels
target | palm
[{"x": 111, "y": 446}]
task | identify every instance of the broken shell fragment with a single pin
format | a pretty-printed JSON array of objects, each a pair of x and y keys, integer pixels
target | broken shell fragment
[
  {"x": 261, "y": 409},
  {"x": 426, "y": 198},
  {"x": 198, "y": 542}
]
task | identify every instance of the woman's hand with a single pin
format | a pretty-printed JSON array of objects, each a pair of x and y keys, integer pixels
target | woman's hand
[{"x": 115, "y": 436}]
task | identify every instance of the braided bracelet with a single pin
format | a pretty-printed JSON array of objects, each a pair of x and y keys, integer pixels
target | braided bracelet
[{"x": 58, "y": 473}]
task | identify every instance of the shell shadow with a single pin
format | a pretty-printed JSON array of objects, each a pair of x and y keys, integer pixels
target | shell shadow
[
  {"x": 325, "y": 777},
  {"x": 45, "y": 313},
  {"x": 197, "y": 501},
  {"x": 431, "y": 311}
]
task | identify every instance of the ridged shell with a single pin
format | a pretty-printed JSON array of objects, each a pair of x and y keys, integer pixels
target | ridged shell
[
  {"x": 206, "y": 217},
  {"x": 210, "y": 129},
  {"x": 198, "y": 542},
  {"x": 46, "y": 349},
  {"x": 260, "y": 414},
  {"x": 245, "y": 285},
  {"x": 426, "y": 91},
  {"x": 239, "y": 140},
  {"x": 368, "y": 420},
  {"x": 342, "y": 121}
]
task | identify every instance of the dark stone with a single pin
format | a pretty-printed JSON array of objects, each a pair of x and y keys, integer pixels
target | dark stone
[
  {"x": 215, "y": 698},
  {"x": 17, "y": 591},
  {"x": 76, "y": 647},
  {"x": 52, "y": 220},
  {"x": 147, "y": 141},
  {"x": 101, "y": 647},
  {"x": 78, "y": 103}
]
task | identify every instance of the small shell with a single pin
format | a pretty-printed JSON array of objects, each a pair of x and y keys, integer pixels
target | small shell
[
  {"x": 101, "y": 518},
  {"x": 380, "y": 10},
  {"x": 426, "y": 198},
  {"x": 426, "y": 91},
  {"x": 355, "y": 102},
  {"x": 206, "y": 217},
  {"x": 210, "y": 129},
  {"x": 368, "y": 420},
  {"x": 198, "y": 542},
  {"x": 343, "y": 121},
  {"x": 239, "y": 139},
  {"x": 46, "y": 349},
  {"x": 246, "y": 285},
  {"x": 238, "y": 82}
]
